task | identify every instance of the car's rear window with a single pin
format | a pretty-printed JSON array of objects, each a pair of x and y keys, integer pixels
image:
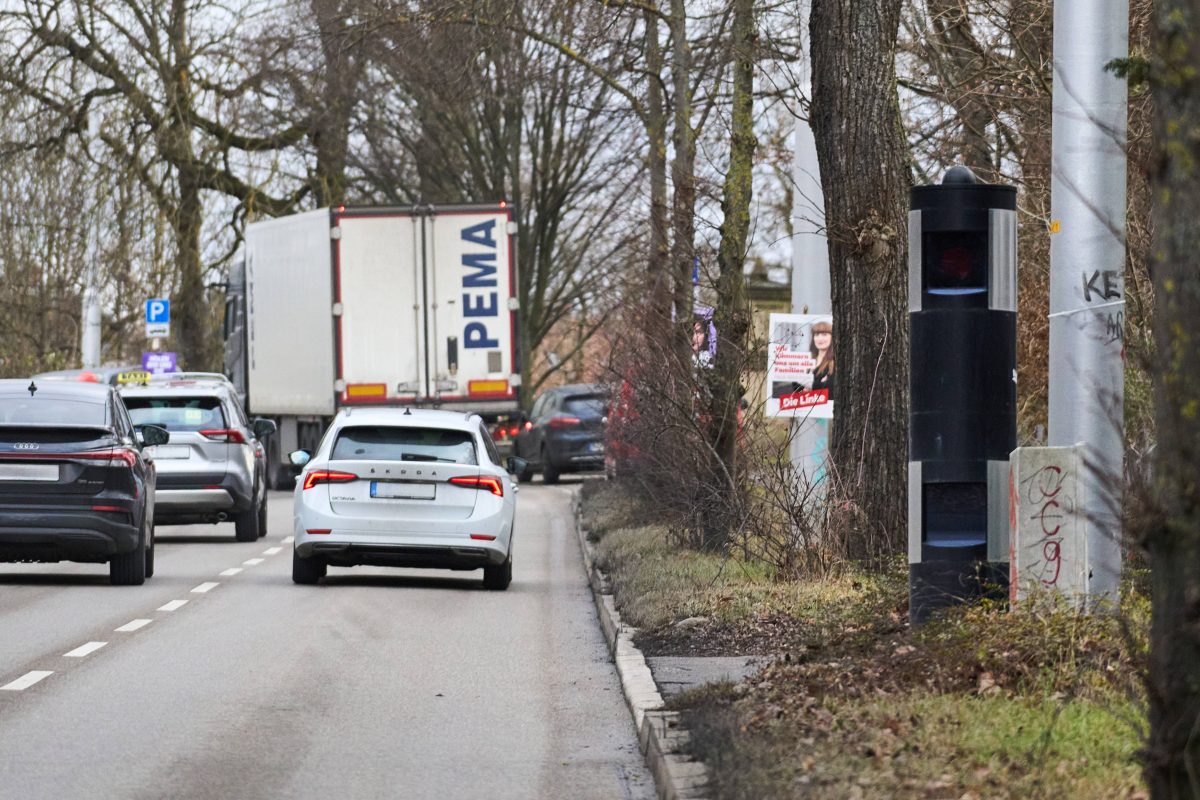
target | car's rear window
[
  {"x": 177, "y": 413},
  {"x": 591, "y": 405},
  {"x": 53, "y": 410},
  {"x": 388, "y": 443}
]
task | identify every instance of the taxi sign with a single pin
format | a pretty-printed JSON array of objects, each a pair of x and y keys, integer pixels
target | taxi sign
[{"x": 133, "y": 376}]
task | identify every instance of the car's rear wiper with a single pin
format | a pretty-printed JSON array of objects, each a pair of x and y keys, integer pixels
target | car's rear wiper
[{"x": 423, "y": 457}]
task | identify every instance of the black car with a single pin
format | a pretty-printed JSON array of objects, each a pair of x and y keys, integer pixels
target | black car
[
  {"x": 74, "y": 485},
  {"x": 564, "y": 432}
]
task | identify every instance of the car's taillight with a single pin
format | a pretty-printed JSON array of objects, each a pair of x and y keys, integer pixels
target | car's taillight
[
  {"x": 499, "y": 434},
  {"x": 514, "y": 430},
  {"x": 563, "y": 422},
  {"x": 227, "y": 435},
  {"x": 487, "y": 482},
  {"x": 117, "y": 457},
  {"x": 319, "y": 476}
]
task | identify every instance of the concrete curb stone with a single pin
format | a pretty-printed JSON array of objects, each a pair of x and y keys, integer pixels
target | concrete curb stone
[{"x": 661, "y": 734}]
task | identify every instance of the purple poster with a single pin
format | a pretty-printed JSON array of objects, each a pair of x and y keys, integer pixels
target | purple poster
[{"x": 157, "y": 363}]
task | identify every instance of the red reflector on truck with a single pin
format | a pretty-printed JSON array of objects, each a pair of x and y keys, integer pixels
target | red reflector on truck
[{"x": 486, "y": 482}]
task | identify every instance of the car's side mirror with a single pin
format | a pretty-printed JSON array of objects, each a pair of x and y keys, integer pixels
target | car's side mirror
[
  {"x": 152, "y": 435},
  {"x": 299, "y": 457},
  {"x": 516, "y": 466},
  {"x": 264, "y": 428}
]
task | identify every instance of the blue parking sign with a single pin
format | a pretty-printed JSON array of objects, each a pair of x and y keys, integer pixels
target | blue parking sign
[{"x": 158, "y": 312}]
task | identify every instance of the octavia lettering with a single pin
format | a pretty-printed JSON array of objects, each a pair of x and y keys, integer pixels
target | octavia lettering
[{"x": 480, "y": 307}]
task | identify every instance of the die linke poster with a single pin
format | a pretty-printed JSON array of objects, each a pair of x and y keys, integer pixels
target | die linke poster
[{"x": 801, "y": 366}]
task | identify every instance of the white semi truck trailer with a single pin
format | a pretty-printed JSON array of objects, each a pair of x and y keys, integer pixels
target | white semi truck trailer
[{"x": 352, "y": 306}]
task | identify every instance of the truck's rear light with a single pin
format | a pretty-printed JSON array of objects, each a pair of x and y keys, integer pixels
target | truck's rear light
[
  {"x": 482, "y": 537},
  {"x": 563, "y": 422},
  {"x": 319, "y": 476},
  {"x": 227, "y": 435},
  {"x": 486, "y": 482}
]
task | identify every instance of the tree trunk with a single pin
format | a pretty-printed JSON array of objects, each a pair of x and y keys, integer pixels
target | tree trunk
[
  {"x": 658, "y": 281},
  {"x": 732, "y": 315},
  {"x": 339, "y": 89},
  {"x": 1173, "y": 752},
  {"x": 683, "y": 178},
  {"x": 864, "y": 176}
]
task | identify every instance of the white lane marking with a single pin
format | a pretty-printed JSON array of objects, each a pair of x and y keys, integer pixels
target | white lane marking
[
  {"x": 288, "y": 539},
  {"x": 270, "y": 551},
  {"x": 253, "y": 562},
  {"x": 173, "y": 605},
  {"x": 133, "y": 626},
  {"x": 229, "y": 573},
  {"x": 26, "y": 680},
  {"x": 84, "y": 650},
  {"x": 207, "y": 586}
]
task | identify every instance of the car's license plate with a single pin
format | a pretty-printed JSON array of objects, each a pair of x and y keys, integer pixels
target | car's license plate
[
  {"x": 166, "y": 451},
  {"x": 28, "y": 472},
  {"x": 403, "y": 491}
]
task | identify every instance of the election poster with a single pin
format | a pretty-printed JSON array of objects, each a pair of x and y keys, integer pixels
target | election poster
[{"x": 800, "y": 366}]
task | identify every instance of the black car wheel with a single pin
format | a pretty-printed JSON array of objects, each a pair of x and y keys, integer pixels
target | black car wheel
[
  {"x": 262, "y": 518},
  {"x": 550, "y": 472},
  {"x": 150, "y": 554},
  {"x": 245, "y": 525},
  {"x": 307, "y": 570},
  {"x": 498, "y": 578},
  {"x": 129, "y": 569}
]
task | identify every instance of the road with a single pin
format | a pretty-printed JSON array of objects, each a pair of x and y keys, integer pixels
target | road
[{"x": 376, "y": 684}]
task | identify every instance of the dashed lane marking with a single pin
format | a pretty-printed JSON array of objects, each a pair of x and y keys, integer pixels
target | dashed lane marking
[
  {"x": 207, "y": 586},
  {"x": 25, "y": 681},
  {"x": 84, "y": 650},
  {"x": 229, "y": 573},
  {"x": 133, "y": 625},
  {"x": 173, "y": 605},
  {"x": 270, "y": 551},
  {"x": 253, "y": 562}
]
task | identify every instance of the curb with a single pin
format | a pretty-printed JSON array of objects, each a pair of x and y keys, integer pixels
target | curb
[{"x": 661, "y": 734}]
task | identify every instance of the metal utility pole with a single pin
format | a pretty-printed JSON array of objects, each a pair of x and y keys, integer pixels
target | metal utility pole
[
  {"x": 810, "y": 263},
  {"x": 1087, "y": 266},
  {"x": 89, "y": 323}
]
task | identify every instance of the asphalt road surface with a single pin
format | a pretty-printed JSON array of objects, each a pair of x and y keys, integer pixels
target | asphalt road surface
[{"x": 219, "y": 678}]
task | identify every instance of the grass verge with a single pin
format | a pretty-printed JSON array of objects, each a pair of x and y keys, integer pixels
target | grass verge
[{"x": 982, "y": 703}]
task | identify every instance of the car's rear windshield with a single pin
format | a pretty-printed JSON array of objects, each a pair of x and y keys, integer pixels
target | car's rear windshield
[
  {"x": 177, "y": 413},
  {"x": 388, "y": 443},
  {"x": 590, "y": 405},
  {"x": 53, "y": 410}
]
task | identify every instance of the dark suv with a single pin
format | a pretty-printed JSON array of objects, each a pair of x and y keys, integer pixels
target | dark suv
[
  {"x": 74, "y": 485},
  {"x": 564, "y": 432}
]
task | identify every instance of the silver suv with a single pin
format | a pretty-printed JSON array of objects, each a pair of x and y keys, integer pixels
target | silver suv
[{"x": 213, "y": 468}]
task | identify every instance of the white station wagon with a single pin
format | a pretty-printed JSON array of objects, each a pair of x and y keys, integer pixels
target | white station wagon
[{"x": 405, "y": 488}]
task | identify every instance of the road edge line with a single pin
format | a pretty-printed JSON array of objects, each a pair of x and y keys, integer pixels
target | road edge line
[{"x": 661, "y": 734}]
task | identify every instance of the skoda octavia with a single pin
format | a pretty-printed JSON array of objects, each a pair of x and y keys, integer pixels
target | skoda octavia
[{"x": 405, "y": 488}]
